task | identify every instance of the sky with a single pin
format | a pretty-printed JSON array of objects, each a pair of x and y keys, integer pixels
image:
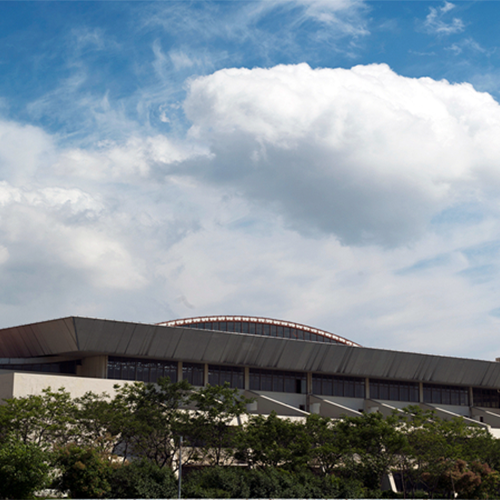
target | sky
[{"x": 334, "y": 163}]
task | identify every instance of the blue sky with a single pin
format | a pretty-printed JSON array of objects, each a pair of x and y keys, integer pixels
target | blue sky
[{"x": 330, "y": 162}]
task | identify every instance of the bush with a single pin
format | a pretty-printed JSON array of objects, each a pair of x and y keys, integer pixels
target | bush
[
  {"x": 233, "y": 482},
  {"x": 85, "y": 473},
  {"x": 143, "y": 479},
  {"x": 23, "y": 470}
]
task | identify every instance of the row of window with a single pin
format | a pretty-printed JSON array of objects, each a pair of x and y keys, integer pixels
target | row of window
[
  {"x": 261, "y": 329},
  {"x": 278, "y": 381},
  {"x": 347, "y": 387},
  {"x": 65, "y": 367},
  {"x": 394, "y": 391},
  {"x": 140, "y": 369}
]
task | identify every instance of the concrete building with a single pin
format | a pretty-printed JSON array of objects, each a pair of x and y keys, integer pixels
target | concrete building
[{"x": 290, "y": 368}]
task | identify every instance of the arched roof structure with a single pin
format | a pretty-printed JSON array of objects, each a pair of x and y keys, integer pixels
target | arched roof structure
[{"x": 260, "y": 326}]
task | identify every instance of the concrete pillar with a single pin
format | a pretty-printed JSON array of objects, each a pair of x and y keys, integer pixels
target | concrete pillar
[
  {"x": 205, "y": 374},
  {"x": 367, "y": 388},
  {"x": 420, "y": 392},
  {"x": 179, "y": 371},
  {"x": 94, "y": 366},
  {"x": 309, "y": 381},
  {"x": 247, "y": 378}
]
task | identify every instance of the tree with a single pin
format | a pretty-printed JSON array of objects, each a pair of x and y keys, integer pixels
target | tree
[
  {"x": 150, "y": 422},
  {"x": 84, "y": 472},
  {"x": 329, "y": 442},
  {"x": 98, "y": 422},
  {"x": 143, "y": 479},
  {"x": 274, "y": 442},
  {"x": 218, "y": 410},
  {"x": 23, "y": 469},
  {"x": 375, "y": 445},
  {"x": 45, "y": 419}
]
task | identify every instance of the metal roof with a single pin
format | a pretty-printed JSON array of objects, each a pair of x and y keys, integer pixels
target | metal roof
[
  {"x": 258, "y": 320},
  {"x": 80, "y": 337}
]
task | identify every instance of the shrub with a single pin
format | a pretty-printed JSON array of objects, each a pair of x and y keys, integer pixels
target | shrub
[
  {"x": 23, "y": 469},
  {"x": 85, "y": 473},
  {"x": 143, "y": 479}
]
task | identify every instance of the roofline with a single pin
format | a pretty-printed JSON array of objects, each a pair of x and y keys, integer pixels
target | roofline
[{"x": 258, "y": 319}]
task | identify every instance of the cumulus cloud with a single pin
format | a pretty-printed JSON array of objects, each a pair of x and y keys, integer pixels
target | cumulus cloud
[
  {"x": 358, "y": 201},
  {"x": 365, "y": 154}
]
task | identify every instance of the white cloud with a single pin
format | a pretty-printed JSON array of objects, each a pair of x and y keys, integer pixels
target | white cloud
[
  {"x": 344, "y": 15},
  {"x": 358, "y": 201},
  {"x": 365, "y": 154},
  {"x": 435, "y": 24}
]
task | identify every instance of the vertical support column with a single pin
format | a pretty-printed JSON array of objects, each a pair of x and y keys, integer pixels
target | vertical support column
[
  {"x": 367, "y": 388},
  {"x": 309, "y": 383},
  {"x": 471, "y": 397},
  {"x": 247, "y": 378},
  {"x": 420, "y": 392},
  {"x": 205, "y": 375},
  {"x": 179, "y": 371},
  {"x": 94, "y": 366}
]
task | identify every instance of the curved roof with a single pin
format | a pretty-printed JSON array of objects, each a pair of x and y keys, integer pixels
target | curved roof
[{"x": 260, "y": 326}]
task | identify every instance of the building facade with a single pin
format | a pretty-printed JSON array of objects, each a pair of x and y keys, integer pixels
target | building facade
[{"x": 290, "y": 368}]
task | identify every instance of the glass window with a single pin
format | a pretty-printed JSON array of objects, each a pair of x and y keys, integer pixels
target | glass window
[
  {"x": 487, "y": 398},
  {"x": 277, "y": 381},
  {"x": 394, "y": 390},
  {"x": 193, "y": 373},
  {"x": 446, "y": 394},
  {"x": 218, "y": 375},
  {"x": 141, "y": 369},
  {"x": 332, "y": 385}
]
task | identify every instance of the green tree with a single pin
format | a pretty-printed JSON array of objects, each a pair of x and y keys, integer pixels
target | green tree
[
  {"x": 24, "y": 469},
  {"x": 45, "y": 419},
  {"x": 143, "y": 479},
  {"x": 98, "y": 422},
  {"x": 274, "y": 442},
  {"x": 329, "y": 442},
  {"x": 84, "y": 472},
  {"x": 150, "y": 421},
  {"x": 374, "y": 445},
  {"x": 215, "y": 422}
]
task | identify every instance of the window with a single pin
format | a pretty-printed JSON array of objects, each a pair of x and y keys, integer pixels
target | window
[
  {"x": 331, "y": 385},
  {"x": 488, "y": 398},
  {"x": 394, "y": 390},
  {"x": 277, "y": 381},
  {"x": 219, "y": 375},
  {"x": 141, "y": 369},
  {"x": 446, "y": 394},
  {"x": 193, "y": 373}
]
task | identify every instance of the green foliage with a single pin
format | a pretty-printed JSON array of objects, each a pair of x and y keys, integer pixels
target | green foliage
[
  {"x": 274, "y": 442},
  {"x": 46, "y": 419},
  {"x": 328, "y": 442},
  {"x": 237, "y": 482},
  {"x": 143, "y": 479},
  {"x": 98, "y": 422},
  {"x": 372, "y": 446},
  {"x": 216, "y": 408},
  {"x": 23, "y": 469},
  {"x": 84, "y": 472},
  {"x": 150, "y": 422}
]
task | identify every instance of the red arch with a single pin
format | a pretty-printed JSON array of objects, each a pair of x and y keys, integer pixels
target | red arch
[{"x": 254, "y": 319}]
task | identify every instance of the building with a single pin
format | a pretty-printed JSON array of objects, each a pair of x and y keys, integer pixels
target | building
[{"x": 289, "y": 368}]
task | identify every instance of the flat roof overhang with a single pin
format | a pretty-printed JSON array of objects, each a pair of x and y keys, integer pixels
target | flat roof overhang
[{"x": 77, "y": 336}]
